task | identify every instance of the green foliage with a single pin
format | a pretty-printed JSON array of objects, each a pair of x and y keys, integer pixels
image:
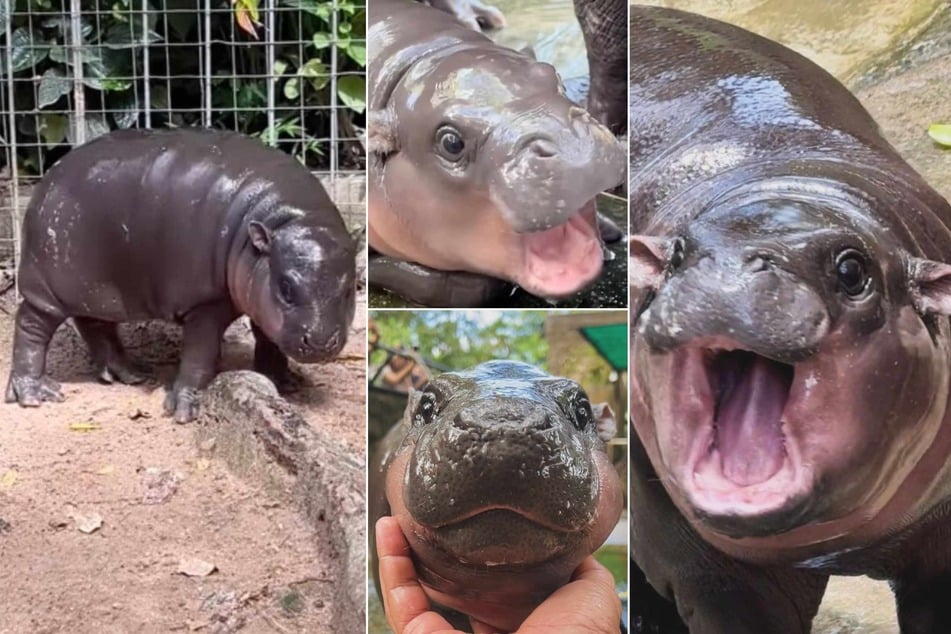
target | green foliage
[
  {"x": 115, "y": 36},
  {"x": 461, "y": 340}
]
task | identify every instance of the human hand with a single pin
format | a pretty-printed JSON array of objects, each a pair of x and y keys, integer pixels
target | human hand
[{"x": 587, "y": 604}]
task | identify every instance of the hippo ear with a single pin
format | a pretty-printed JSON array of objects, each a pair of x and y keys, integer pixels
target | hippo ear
[
  {"x": 931, "y": 286},
  {"x": 382, "y": 137},
  {"x": 260, "y": 237},
  {"x": 604, "y": 421},
  {"x": 528, "y": 51},
  {"x": 648, "y": 260}
]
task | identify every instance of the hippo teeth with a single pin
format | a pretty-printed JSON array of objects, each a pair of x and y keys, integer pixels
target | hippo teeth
[{"x": 751, "y": 394}]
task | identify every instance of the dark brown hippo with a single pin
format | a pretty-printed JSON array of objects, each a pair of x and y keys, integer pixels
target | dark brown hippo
[
  {"x": 791, "y": 348},
  {"x": 501, "y": 484},
  {"x": 480, "y": 166},
  {"x": 193, "y": 226}
]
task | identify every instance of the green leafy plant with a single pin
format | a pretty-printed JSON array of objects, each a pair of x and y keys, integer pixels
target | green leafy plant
[{"x": 119, "y": 45}]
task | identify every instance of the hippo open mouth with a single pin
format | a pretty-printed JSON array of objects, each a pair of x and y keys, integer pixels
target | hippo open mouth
[
  {"x": 742, "y": 459},
  {"x": 563, "y": 259}
]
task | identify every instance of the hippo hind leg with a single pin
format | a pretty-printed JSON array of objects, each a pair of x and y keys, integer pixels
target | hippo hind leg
[
  {"x": 923, "y": 606},
  {"x": 272, "y": 363},
  {"x": 107, "y": 353},
  {"x": 29, "y": 386}
]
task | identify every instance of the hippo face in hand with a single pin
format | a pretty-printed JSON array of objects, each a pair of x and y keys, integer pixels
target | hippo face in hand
[
  {"x": 496, "y": 169},
  {"x": 502, "y": 478},
  {"x": 791, "y": 368},
  {"x": 303, "y": 288}
]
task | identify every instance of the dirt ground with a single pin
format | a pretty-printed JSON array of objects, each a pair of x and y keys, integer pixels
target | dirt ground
[{"x": 162, "y": 499}]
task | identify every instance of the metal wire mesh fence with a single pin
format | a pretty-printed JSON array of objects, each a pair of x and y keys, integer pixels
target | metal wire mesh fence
[{"x": 290, "y": 72}]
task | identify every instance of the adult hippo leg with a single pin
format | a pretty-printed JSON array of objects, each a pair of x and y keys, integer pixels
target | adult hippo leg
[
  {"x": 108, "y": 355},
  {"x": 29, "y": 385},
  {"x": 715, "y": 594},
  {"x": 923, "y": 605},
  {"x": 604, "y": 27},
  {"x": 204, "y": 327},
  {"x": 272, "y": 363},
  {"x": 431, "y": 287}
]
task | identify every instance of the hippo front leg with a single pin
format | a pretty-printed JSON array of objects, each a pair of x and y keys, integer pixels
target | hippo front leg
[
  {"x": 29, "y": 386},
  {"x": 923, "y": 606},
  {"x": 272, "y": 363},
  {"x": 203, "y": 329},
  {"x": 431, "y": 287},
  {"x": 714, "y": 594}
]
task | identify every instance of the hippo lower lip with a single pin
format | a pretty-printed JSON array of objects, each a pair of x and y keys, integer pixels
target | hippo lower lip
[
  {"x": 743, "y": 461},
  {"x": 474, "y": 539},
  {"x": 502, "y": 510},
  {"x": 564, "y": 259}
]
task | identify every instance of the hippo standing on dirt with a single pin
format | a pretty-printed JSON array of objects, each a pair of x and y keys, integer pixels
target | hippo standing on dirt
[
  {"x": 481, "y": 169},
  {"x": 500, "y": 481},
  {"x": 192, "y": 226},
  {"x": 791, "y": 350}
]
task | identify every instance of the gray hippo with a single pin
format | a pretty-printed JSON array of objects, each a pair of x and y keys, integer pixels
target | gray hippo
[
  {"x": 500, "y": 481},
  {"x": 479, "y": 165},
  {"x": 791, "y": 348},
  {"x": 192, "y": 226}
]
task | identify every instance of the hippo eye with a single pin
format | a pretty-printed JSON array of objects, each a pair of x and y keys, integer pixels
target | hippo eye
[
  {"x": 582, "y": 412},
  {"x": 850, "y": 269},
  {"x": 449, "y": 144},
  {"x": 425, "y": 410},
  {"x": 286, "y": 290}
]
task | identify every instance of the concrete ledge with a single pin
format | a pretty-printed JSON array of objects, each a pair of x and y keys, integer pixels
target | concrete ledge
[{"x": 263, "y": 437}]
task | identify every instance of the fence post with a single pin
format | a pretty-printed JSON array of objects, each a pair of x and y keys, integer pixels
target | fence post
[{"x": 78, "y": 116}]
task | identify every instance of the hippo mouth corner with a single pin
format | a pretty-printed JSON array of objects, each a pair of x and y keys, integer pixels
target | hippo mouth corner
[
  {"x": 562, "y": 260},
  {"x": 743, "y": 460}
]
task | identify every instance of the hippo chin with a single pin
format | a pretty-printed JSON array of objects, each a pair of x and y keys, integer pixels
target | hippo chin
[
  {"x": 791, "y": 338},
  {"x": 193, "y": 226},
  {"x": 500, "y": 482},
  {"x": 480, "y": 163}
]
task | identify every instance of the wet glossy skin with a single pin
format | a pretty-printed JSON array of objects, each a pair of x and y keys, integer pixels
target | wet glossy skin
[
  {"x": 790, "y": 346},
  {"x": 471, "y": 139},
  {"x": 193, "y": 226},
  {"x": 499, "y": 479}
]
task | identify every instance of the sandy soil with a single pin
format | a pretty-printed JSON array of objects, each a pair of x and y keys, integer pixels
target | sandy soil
[{"x": 271, "y": 575}]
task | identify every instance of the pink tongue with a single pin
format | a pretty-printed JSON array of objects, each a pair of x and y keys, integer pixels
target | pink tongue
[{"x": 749, "y": 433}]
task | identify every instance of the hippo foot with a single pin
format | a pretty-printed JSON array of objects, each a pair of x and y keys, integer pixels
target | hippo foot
[
  {"x": 182, "y": 404},
  {"x": 126, "y": 372},
  {"x": 31, "y": 392}
]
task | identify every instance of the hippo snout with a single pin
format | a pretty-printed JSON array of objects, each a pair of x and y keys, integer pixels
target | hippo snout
[
  {"x": 534, "y": 421},
  {"x": 493, "y": 455},
  {"x": 749, "y": 301},
  {"x": 313, "y": 347}
]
